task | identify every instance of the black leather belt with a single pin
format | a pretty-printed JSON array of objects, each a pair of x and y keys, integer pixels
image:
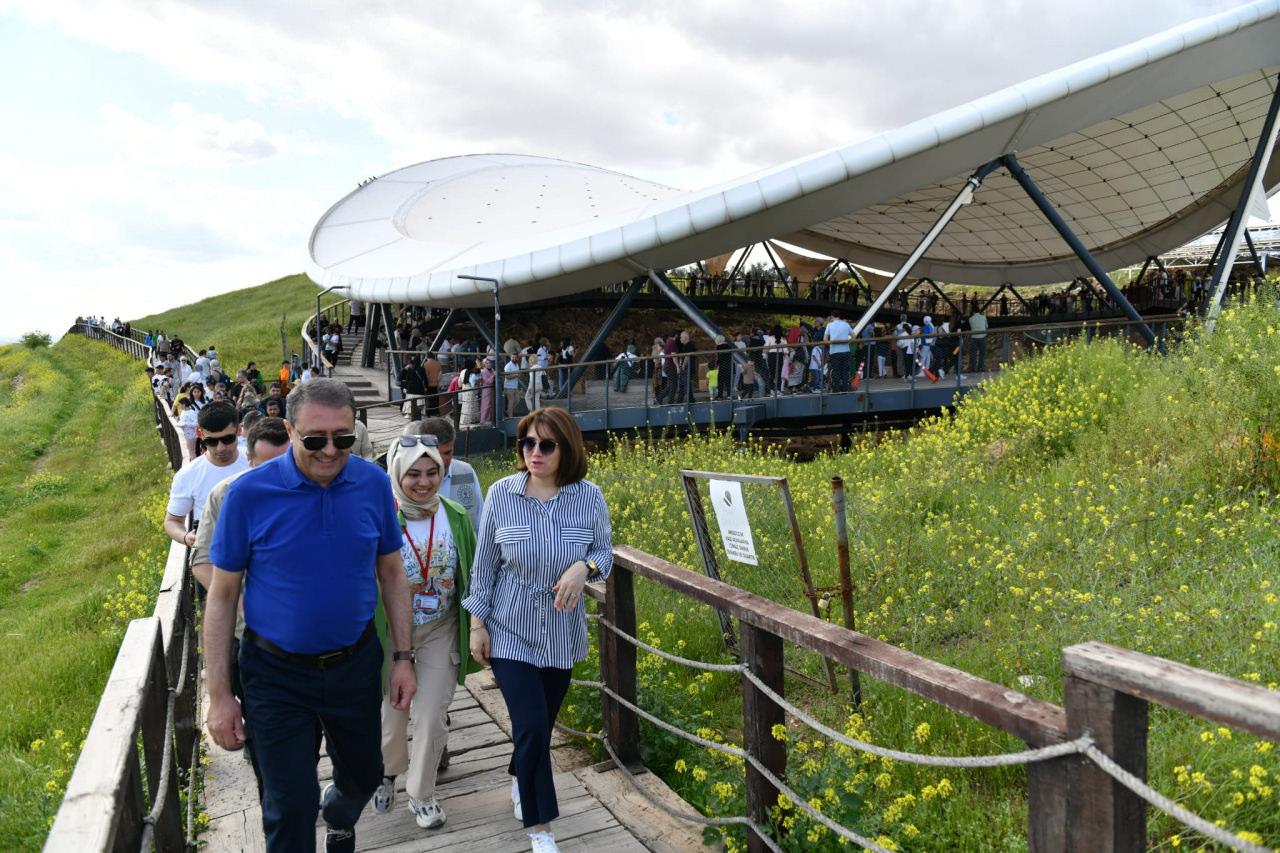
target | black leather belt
[{"x": 324, "y": 660}]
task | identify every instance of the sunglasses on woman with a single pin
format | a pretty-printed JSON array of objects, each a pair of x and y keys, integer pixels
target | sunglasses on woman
[
  {"x": 424, "y": 440},
  {"x": 319, "y": 442},
  {"x": 546, "y": 445}
]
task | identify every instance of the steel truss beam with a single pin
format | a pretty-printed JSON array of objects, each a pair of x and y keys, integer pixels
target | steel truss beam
[
  {"x": 451, "y": 319},
  {"x": 962, "y": 198},
  {"x": 610, "y": 323},
  {"x": 686, "y": 306},
  {"x": 1059, "y": 224},
  {"x": 485, "y": 332},
  {"x": 1240, "y": 216}
]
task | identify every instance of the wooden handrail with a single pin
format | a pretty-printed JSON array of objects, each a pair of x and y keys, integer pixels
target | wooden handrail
[{"x": 1034, "y": 721}]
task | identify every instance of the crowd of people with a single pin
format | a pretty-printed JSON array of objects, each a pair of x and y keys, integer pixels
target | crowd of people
[{"x": 412, "y": 580}]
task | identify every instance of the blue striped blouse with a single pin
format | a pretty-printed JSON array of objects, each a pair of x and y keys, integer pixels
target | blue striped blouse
[{"x": 522, "y": 547}]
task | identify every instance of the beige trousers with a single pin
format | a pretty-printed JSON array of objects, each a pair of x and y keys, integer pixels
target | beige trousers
[{"x": 437, "y": 670}]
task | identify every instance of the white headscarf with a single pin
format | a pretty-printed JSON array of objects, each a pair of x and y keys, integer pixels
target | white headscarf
[{"x": 399, "y": 460}]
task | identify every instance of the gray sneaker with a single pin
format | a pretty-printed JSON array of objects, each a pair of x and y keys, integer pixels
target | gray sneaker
[
  {"x": 385, "y": 797},
  {"x": 427, "y": 813}
]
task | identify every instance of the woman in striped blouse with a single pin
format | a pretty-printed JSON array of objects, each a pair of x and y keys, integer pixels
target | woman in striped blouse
[{"x": 544, "y": 534}]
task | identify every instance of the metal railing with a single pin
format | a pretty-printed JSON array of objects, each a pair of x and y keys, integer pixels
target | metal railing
[
  {"x": 667, "y": 392},
  {"x": 338, "y": 312}
]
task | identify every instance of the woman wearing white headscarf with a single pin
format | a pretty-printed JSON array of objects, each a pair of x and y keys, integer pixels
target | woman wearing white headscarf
[{"x": 437, "y": 545}]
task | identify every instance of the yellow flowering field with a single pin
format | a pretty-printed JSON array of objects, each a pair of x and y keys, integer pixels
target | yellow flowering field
[{"x": 1095, "y": 492}]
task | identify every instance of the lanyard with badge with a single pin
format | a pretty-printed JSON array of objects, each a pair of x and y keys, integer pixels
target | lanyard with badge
[{"x": 423, "y": 602}]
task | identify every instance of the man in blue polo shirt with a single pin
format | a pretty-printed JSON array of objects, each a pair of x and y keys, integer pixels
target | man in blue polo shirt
[
  {"x": 315, "y": 534},
  {"x": 838, "y": 334}
]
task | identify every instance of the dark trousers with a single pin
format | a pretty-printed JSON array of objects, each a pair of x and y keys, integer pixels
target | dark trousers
[
  {"x": 285, "y": 700},
  {"x": 977, "y": 355},
  {"x": 839, "y": 372},
  {"x": 533, "y": 696}
]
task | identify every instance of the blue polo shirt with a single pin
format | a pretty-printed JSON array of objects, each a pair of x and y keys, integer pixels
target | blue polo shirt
[{"x": 310, "y": 552}]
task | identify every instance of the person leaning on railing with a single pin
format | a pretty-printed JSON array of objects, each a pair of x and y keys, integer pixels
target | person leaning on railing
[{"x": 543, "y": 534}]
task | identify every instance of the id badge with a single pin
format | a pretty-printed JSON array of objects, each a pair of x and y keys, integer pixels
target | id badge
[{"x": 424, "y": 602}]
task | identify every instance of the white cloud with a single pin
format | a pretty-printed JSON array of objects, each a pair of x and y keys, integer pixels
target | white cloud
[
  {"x": 181, "y": 197},
  {"x": 189, "y": 138}
]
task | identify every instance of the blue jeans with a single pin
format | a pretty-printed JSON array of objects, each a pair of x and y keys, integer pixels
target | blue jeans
[
  {"x": 532, "y": 721},
  {"x": 285, "y": 700}
]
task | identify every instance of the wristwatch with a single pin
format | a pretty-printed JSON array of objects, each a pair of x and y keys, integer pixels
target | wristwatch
[
  {"x": 593, "y": 571},
  {"x": 409, "y": 656}
]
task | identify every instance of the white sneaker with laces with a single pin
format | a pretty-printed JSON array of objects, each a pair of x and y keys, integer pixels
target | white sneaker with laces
[
  {"x": 427, "y": 813},
  {"x": 515, "y": 800},
  {"x": 385, "y": 797},
  {"x": 543, "y": 842}
]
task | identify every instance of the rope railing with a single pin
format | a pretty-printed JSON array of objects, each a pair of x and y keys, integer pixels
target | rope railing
[
  {"x": 166, "y": 762},
  {"x": 1083, "y": 745}
]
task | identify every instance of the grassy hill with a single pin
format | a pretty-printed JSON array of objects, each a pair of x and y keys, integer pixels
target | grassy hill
[
  {"x": 83, "y": 485},
  {"x": 244, "y": 324}
]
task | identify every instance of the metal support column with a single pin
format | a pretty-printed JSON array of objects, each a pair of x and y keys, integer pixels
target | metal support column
[
  {"x": 962, "y": 198},
  {"x": 369, "y": 353},
  {"x": 389, "y": 327},
  {"x": 1069, "y": 237},
  {"x": 702, "y": 321},
  {"x": 1253, "y": 250},
  {"x": 451, "y": 319},
  {"x": 485, "y": 331},
  {"x": 1240, "y": 216},
  {"x": 783, "y": 277},
  {"x": 610, "y": 323}
]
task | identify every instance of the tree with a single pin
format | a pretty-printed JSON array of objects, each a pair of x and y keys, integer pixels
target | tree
[{"x": 36, "y": 340}]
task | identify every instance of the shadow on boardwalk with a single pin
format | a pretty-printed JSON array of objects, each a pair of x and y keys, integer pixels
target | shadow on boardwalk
[{"x": 599, "y": 811}]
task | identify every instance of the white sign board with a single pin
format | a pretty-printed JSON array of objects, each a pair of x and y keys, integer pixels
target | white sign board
[{"x": 731, "y": 516}]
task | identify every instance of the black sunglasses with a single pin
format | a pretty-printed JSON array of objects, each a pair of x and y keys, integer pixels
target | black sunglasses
[
  {"x": 319, "y": 442},
  {"x": 424, "y": 440},
  {"x": 547, "y": 445},
  {"x": 215, "y": 440}
]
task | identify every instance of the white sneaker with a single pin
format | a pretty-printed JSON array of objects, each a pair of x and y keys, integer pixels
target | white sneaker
[
  {"x": 427, "y": 813},
  {"x": 543, "y": 842},
  {"x": 385, "y": 797},
  {"x": 515, "y": 800}
]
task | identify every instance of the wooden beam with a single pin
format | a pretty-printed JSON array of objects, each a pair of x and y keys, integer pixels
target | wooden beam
[
  {"x": 1034, "y": 721},
  {"x": 1196, "y": 691},
  {"x": 618, "y": 668},
  {"x": 103, "y": 796}
]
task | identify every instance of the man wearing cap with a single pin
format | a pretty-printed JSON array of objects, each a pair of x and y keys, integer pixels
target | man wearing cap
[{"x": 314, "y": 534}]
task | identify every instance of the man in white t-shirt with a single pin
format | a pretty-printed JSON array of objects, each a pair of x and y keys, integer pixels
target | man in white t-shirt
[
  {"x": 838, "y": 334},
  {"x": 218, "y": 425}
]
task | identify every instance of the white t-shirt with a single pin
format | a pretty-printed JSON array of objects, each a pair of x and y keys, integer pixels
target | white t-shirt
[
  {"x": 839, "y": 330},
  {"x": 433, "y": 591},
  {"x": 188, "y": 423},
  {"x": 193, "y": 483}
]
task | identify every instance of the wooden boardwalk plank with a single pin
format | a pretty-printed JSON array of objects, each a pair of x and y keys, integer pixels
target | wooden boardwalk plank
[{"x": 597, "y": 809}]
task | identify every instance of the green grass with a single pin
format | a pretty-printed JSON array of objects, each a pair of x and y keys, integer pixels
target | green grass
[
  {"x": 244, "y": 324},
  {"x": 83, "y": 482},
  {"x": 1094, "y": 493}
]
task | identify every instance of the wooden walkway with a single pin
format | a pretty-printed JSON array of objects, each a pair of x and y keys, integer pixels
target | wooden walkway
[{"x": 599, "y": 811}]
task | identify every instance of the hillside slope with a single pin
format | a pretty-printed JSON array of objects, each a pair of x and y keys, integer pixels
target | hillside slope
[{"x": 245, "y": 324}]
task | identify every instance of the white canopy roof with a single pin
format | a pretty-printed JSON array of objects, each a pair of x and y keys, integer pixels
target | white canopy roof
[{"x": 1141, "y": 149}]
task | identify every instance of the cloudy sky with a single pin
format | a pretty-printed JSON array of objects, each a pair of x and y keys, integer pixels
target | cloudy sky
[{"x": 159, "y": 151}]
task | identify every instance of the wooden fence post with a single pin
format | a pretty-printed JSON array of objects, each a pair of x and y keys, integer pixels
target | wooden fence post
[
  {"x": 1047, "y": 805},
  {"x": 618, "y": 666},
  {"x": 1105, "y": 816},
  {"x": 762, "y": 654},
  {"x": 185, "y": 730}
]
